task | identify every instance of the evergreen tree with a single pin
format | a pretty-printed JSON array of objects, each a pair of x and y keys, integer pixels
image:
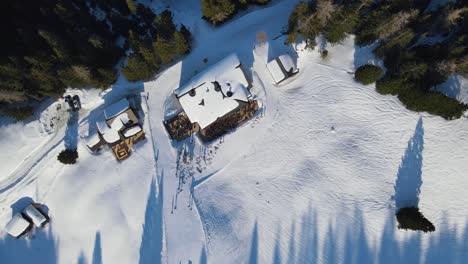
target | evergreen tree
[
  {"x": 165, "y": 25},
  {"x": 217, "y": 11},
  {"x": 341, "y": 23},
  {"x": 410, "y": 218},
  {"x": 368, "y": 74},
  {"x": 131, "y": 6},
  {"x": 56, "y": 44},
  {"x": 181, "y": 44},
  {"x": 138, "y": 68}
]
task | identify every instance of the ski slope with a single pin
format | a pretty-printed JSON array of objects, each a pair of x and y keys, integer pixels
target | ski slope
[{"x": 314, "y": 177}]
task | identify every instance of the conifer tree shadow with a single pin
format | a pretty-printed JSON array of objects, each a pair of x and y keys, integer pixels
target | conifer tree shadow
[
  {"x": 97, "y": 252},
  {"x": 81, "y": 258},
  {"x": 452, "y": 87},
  {"x": 203, "y": 256},
  {"x": 389, "y": 249},
  {"x": 152, "y": 238},
  {"x": 356, "y": 248},
  {"x": 409, "y": 178},
  {"x": 71, "y": 133},
  {"x": 329, "y": 248},
  {"x": 308, "y": 252},
  {"x": 253, "y": 257},
  {"x": 39, "y": 246},
  {"x": 277, "y": 250},
  {"x": 20, "y": 205}
]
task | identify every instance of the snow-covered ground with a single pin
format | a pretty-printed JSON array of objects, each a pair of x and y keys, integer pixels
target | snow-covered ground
[{"x": 315, "y": 177}]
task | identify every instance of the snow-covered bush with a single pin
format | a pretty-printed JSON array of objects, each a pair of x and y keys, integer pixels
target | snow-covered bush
[
  {"x": 368, "y": 74},
  {"x": 410, "y": 218},
  {"x": 68, "y": 156}
]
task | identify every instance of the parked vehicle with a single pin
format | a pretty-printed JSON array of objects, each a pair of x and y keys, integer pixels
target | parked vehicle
[{"x": 73, "y": 103}]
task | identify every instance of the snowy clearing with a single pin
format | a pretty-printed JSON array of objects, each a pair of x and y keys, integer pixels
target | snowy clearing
[{"x": 314, "y": 177}]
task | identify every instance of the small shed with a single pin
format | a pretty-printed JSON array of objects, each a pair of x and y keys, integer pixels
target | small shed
[
  {"x": 282, "y": 68},
  {"x": 35, "y": 215},
  {"x": 18, "y": 226}
]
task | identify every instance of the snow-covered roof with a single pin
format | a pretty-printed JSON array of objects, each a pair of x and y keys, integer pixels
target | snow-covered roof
[
  {"x": 116, "y": 108},
  {"x": 124, "y": 118},
  {"x": 282, "y": 67},
  {"x": 117, "y": 125},
  {"x": 101, "y": 125},
  {"x": 275, "y": 70},
  {"x": 215, "y": 92},
  {"x": 17, "y": 225},
  {"x": 131, "y": 131},
  {"x": 227, "y": 69},
  {"x": 110, "y": 135},
  {"x": 92, "y": 139},
  {"x": 36, "y": 217},
  {"x": 288, "y": 63}
]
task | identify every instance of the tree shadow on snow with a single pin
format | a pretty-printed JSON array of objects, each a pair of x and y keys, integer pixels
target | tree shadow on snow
[
  {"x": 364, "y": 55},
  {"x": 253, "y": 258},
  {"x": 203, "y": 256},
  {"x": 276, "y": 48},
  {"x": 38, "y": 246},
  {"x": 20, "y": 204},
  {"x": 350, "y": 242},
  {"x": 409, "y": 178},
  {"x": 97, "y": 252},
  {"x": 71, "y": 133},
  {"x": 451, "y": 87},
  {"x": 81, "y": 258},
  {"x": 152, "y": 237}
]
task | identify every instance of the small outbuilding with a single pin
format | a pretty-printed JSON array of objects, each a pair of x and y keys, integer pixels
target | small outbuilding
[
  {"x": 22, "y": 222},
  {"x": 18, "y": 226},
  {"x": 33, "y": 213},
  {"x": 282, "y": 68}
]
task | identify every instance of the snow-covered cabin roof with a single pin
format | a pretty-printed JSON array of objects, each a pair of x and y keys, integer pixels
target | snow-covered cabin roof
[
  {"x": 282, "y": 67},
  {"x": 17, "y": 225},
  {"x": 227, "y": 69},
  {"x": 215, "y": 92},
  {"x": 116, "y": 108},
  {"x": 276, "y": 71},
  {"x": 110, "y": 135},
  {"x": 131, "y": 131},
  {"x": 92, "y": 140},
  {"x": 36, "y": 217},
  {"x": 101, "y": 125},
  {"x": 288, "y": 63}
]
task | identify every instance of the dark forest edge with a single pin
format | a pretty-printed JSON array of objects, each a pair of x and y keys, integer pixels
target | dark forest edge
[
  {"x": 403, "y": 30},
  {"x": 51, "y": 45},
  {"x": 219, "y": 11}
]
